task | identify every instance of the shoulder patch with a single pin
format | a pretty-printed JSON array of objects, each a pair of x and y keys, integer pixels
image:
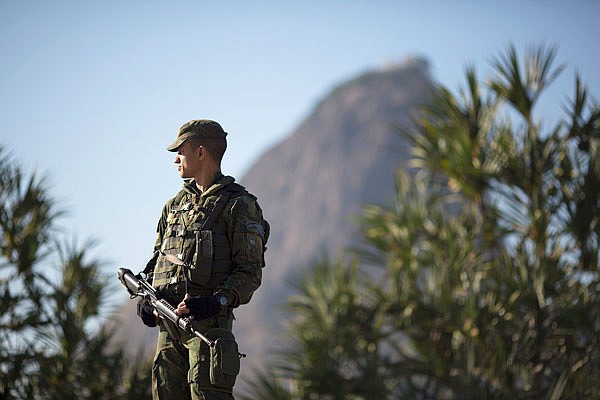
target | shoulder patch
[{"x": 256, "y": 227}]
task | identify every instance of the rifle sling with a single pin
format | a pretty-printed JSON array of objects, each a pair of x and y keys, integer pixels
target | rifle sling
[{"x": 219, "y": 206}]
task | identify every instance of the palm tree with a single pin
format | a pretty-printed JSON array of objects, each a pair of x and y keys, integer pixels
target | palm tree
[
  {"x": 334, "y": 337},
  {"x": 51, "y": 343},
  {"x": 26, "y": 216},
  {"x": 532, "y": 290}
]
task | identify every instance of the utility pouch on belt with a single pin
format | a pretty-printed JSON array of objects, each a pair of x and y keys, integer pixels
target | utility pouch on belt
[
  {"x": 201, "y": 266},
  {"x": 224, "y": 358}
]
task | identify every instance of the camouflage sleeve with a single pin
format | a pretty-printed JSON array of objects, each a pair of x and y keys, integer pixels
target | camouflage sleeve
[
  {"x": 247, "y": 235},
  {"x": 160, "y": 231},
  {"x": 161, "y": 228}
]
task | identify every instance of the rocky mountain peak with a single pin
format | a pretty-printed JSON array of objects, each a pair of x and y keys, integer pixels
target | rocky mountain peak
[{"x": 314, "y": 183}]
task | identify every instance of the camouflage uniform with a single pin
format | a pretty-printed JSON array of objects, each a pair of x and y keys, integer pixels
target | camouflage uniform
[{"x": 226, "y": 260}]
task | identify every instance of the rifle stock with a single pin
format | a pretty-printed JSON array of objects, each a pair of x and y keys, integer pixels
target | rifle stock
[{"x": 137, "y": 286}]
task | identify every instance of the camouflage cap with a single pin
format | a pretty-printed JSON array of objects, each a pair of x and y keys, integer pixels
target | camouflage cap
[{"x": 201, "y": 128}]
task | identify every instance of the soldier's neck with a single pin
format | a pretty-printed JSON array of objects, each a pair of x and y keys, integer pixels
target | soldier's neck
[{"x": 205, "y": 179}]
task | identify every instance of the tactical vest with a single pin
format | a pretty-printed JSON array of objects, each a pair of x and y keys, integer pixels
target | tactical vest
[{"x": 204, "y": 250}]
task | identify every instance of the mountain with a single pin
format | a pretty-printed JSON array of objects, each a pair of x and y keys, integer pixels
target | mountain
[{"x": 314, "y": 183}]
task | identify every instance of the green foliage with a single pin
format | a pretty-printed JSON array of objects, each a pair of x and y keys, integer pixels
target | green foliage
[
  {"x": 324, "y": 359},
  {"x": 484, "y": 275},
  {"x": 340, "y": 362},
  {"x": 50, "y": 344},
  {"x": 518, "y": 316}
]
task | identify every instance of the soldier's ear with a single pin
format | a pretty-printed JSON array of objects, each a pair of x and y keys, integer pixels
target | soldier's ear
[{"x": 201, "y": 152}]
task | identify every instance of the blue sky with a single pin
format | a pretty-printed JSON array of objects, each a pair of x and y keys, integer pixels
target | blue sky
[{"x": 91, "y": 93}]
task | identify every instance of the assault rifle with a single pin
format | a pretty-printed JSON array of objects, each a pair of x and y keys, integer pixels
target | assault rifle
[{"x": 137, "y": 286}]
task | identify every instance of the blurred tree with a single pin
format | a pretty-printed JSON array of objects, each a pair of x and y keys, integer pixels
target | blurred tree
[
  {"x": 486, "y": 280},
  {"x": 334, "y": 340},
  {"x": 51, "y": 346},
  {"x": 521, "y": 317},
  {"x": 26, "y": 221}
]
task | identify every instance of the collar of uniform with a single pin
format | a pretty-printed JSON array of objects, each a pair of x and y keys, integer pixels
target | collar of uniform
[
  {"x": 219, "y": 184},
  {"x": 221, "y": 181},
  {"x": 189, "y": 186}
]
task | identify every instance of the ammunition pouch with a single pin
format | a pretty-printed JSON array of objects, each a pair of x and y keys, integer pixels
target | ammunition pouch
[
  {"x": 201, "y": 265},
  {"x": 219, "y": 364},
  {"x": 224, "y": 358}
]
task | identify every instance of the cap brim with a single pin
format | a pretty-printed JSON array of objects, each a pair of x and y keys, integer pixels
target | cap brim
[
  {"x": 175, "y": 145},
  {"x": 178, "y": 142}
]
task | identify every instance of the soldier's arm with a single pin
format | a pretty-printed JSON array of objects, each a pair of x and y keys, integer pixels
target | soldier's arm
[
  {"x": 246, "y": 234},
  {"x": 160, "y": 231}
]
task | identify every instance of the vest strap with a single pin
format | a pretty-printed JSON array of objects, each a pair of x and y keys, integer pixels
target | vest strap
[{"x": 221, "y": 203}]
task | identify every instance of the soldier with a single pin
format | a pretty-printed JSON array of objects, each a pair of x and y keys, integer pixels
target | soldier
[{"x": 208, "y": 260}]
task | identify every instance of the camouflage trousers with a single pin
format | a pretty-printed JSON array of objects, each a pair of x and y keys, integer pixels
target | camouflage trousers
[{"x": 181, "y": 370}]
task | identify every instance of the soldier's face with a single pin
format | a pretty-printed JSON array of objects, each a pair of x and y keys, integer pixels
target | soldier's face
[{"x": 188, "y": 160}]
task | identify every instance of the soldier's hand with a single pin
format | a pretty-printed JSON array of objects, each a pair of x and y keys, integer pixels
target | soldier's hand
[
  {"x": 199, "y": 307},
  {"x": 146, "y": 312},
  {"x": 182, "y": 308}
]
